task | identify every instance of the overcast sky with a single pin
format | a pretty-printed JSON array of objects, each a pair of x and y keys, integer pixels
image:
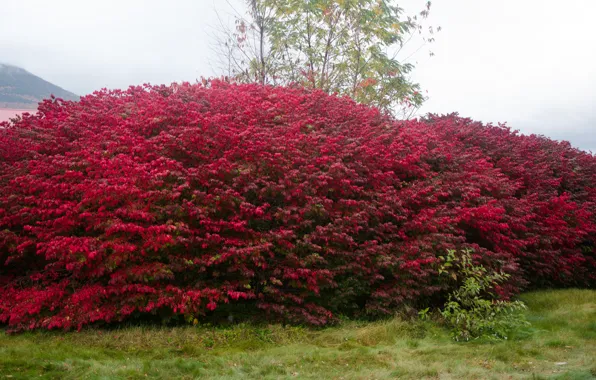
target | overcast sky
[{"x": 530, "y": 63}]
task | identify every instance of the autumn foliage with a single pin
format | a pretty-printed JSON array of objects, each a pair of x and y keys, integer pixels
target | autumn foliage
[{"x": 190, "y": 200}]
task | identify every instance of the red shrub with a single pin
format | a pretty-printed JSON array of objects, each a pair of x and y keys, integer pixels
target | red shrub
[{"x": 184, "y": 199}]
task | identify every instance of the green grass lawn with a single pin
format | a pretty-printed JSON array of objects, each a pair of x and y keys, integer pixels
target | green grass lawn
[{"x": 560, "y": 345}]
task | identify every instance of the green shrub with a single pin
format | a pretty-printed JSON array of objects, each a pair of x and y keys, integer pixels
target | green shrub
[{"x": 474, "y": 310}]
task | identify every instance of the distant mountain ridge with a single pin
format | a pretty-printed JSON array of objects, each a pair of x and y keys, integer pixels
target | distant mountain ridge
[{"x": 20, "y": 89}]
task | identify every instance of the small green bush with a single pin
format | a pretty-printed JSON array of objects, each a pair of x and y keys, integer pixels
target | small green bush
[{"x": 473, "y": 310}]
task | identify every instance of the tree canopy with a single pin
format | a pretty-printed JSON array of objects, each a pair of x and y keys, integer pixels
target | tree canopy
[{"x": 349, "y": 47}]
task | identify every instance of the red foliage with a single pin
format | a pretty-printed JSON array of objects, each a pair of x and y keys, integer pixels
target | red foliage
[{"x": 186, "y": 198}]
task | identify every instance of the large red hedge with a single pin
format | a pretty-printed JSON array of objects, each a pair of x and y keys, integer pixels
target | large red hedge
[{"x": 188, "y": 200}]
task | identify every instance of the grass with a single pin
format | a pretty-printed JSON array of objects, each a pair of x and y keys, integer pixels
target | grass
[{"x": 561, "y": 345}]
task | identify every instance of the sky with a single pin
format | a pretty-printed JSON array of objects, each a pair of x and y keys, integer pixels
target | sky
[{"x": 530, "y": 63}]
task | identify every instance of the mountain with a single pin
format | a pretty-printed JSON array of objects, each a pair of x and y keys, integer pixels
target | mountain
[{"x": 21, "y": 89}]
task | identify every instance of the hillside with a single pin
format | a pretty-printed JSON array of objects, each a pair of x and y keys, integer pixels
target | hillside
[{"x": 20, "y": 89}]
